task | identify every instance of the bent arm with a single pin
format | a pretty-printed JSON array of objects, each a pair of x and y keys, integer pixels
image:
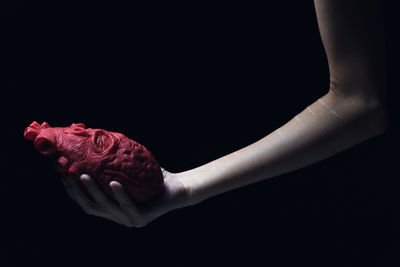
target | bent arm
[
  {"x": 326, "y": 127},
  {"x": 351, "y": 112}
]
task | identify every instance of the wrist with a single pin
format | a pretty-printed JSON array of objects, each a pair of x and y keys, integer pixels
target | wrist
[
  {"x": 205, "y": 181},
  {"x": 193, "y": 181},
  {"x": 186, "y": 179}
]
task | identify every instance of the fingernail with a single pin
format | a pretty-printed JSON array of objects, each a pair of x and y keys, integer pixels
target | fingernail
[
  {"x": 85, "y": 176},
  {"x": 84, "y": 179}
]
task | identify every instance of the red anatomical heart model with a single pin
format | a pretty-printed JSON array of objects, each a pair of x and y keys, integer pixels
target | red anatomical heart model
[{"x": 105, "y": 156}]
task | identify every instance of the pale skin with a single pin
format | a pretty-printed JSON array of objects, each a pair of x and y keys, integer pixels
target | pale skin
[{"x": 352, "y": 111}]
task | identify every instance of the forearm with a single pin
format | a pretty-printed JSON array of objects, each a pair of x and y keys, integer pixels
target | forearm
[{"x": 326, "y": 127}]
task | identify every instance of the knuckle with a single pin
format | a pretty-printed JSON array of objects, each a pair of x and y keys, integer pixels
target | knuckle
[
  {"x": 85, "y": 210},
  {"x": 88, "y": 212},
  {"x": 105, "y": 206},
  {"x": 125, "y": 206},
  {"x": 140, "y": 224}
]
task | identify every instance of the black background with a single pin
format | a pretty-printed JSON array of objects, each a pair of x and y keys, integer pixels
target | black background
[{"x": 192, "y": 82}]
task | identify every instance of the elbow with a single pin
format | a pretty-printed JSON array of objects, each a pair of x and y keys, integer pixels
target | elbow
[
  {"x": 376, "y": 117},
  {"x": 369, "y": 114},
  {"x": 381, "y": 117}
]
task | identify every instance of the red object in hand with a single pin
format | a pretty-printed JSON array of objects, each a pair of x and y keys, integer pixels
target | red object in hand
[{"x": 105, "y": 156}]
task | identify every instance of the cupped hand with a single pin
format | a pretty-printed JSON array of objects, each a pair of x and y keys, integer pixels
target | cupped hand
[{"x": 127, "y": 212}]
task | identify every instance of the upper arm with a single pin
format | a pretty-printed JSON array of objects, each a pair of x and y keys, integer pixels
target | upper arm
[{"x": 352, "y": 34}]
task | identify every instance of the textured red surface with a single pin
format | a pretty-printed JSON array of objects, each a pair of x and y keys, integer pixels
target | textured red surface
[{"x": 105, "y": 156}]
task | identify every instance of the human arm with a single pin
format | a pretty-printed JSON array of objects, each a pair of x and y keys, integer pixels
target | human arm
[
  {"x": 352, "y": 111},
  {"x": 326, "y": 127}
]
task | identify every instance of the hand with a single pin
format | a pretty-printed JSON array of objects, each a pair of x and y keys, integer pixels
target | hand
[{"x": 126, "y": 212}]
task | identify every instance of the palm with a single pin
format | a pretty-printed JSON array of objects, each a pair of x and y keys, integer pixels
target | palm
[{"x": 125, "y": 211}]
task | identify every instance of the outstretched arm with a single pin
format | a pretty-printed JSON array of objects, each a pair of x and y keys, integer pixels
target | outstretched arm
[{"x": 352, "y": 111}]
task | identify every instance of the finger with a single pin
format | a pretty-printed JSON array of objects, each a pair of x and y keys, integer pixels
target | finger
[
  {"x": 109, "y": 217},
  {"x": 126, "y": 203},
  {"x": 104, "y": 201},
  {"x": 162, "y": 170},
  {"x": 116, "y": 220},
  {"x": 77, "y": 194},
  {"x": 91, "y": 210},
  {"x": 95, "y": 191}
]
